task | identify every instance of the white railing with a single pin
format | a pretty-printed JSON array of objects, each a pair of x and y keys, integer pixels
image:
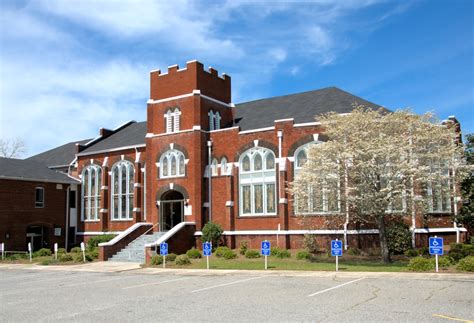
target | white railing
[
  {"x": 169, "y": 234},
  {"x": 123, "y": 234}
]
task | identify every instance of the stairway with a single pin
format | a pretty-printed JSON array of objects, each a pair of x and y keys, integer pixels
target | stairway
[{"x": 135, "y": 251}]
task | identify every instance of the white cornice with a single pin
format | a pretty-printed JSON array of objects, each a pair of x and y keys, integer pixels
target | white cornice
[{"x": 195, "y": 92}]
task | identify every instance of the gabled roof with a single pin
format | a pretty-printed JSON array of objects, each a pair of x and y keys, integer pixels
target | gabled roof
[
  {"x": 303, "y": 107},
  {"x": 31, "y": 170},
  {"x": 131, "y": 135},
  {"x": 59, "y": 156}
]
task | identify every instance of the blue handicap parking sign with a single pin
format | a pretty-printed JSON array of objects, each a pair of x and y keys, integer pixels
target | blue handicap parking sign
[
  {"x": 207, "y": 249},
  {"x": 436, "y": 246},
  {"x": 164, "y": 249},
  {"x": 336, "y": 248},
  {"x": 266, "y": 248}
]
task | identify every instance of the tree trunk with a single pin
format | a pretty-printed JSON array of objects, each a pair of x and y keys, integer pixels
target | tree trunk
[{"x": 383, "y": 240}]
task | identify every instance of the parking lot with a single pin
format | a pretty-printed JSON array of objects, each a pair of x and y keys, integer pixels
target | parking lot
[{"x": 49, "y": 295}]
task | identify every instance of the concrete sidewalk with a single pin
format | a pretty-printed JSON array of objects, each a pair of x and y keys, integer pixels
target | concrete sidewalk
[{"x": 99, "y": 266}]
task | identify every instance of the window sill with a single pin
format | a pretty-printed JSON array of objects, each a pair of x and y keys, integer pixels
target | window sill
[
  {"x": 121, "y": 220},
  {"x": 90, "y": 221},
  {"x": 439, "y": 213},
  {"x": 171, "y": 177},
  {"x": 255, "y": 216},
  {"x": 317, "y": 214}
]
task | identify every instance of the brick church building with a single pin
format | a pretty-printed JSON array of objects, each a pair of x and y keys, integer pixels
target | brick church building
[{"x": 199, "y": 157}]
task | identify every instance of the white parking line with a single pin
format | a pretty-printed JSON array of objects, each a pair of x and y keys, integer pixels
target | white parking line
[
  {"x": 98, "y": 281},
  {"x": 157, "y": 283},
  {"x": 226, "y": 284},
  {"x": 328, "y": 289}
]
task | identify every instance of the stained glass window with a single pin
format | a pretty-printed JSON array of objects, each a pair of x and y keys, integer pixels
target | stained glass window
[{"x": 122, "y": 190}]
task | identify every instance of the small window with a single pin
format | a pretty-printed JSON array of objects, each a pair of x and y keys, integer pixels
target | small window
[
  {"x": 39, "y": 197},
  {"x": 223, "y": 166},
  {"x": 214, "y": 167},
  {"x": 214, "y": 120},
  {"x": 172, "y": 120}
]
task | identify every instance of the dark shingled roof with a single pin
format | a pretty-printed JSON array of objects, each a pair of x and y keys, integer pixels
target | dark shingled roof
[
  {"x": 59, "y": 156},
  {"x": 303, "y": 107},
  {"x": 24, "y": 169},
  {"x": 133, "y": 134}
]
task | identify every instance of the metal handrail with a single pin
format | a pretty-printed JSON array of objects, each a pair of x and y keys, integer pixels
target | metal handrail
[{"x": 154, "y": 225}]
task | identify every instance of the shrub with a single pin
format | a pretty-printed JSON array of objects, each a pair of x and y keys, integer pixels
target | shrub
[
  {"x": 94, "y": 241},
  {"x": 252, "y": 254},
  {"x": 78, "y": 257},
  {"x": 458, "y": 251},
  {"x": 443, "y": 262},
  {"x": 353, "y": 252},
  {"x": 424, "y": 251},
  {"x": 171, "y": 257},
  {"x": 94, "y": 253},
  {"x": 466, "y": 264},
  {"x": 212, "y": 232},
  {"x": 221, "y": 250},
  {"x": 18, "y": 256},
  {"x": 420, "y": 264},
  {"x": 244, "y": 246},
  {"x": 76, "y": 250},
  {"x": 280, "y": 253},
  {"x": 310, "y": 243},
  {"x": 43, "y": 252},
  {"x": 156, "y": 260},
  {"x": 229, "y": 254},
  {"x": 193, "y": 253},
  {"x": 47, "y": 262},
  {"x": 182, "y": 260},
  {"x": 398, "y": 238},
  {"x": 65, "y": 257},
  {"x": 303, "y": 255},
  {"x": 411, "y": 253},
  {"x": 61, "y": 251}
]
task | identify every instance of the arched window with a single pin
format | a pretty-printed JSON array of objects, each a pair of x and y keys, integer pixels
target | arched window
[
  {"x": 214, "y": 171},
  {"x": 214, "y": 120},
  {"x": 223, "y": 166},
  {"x": 122, "y": 190},
  {"x": 91, "y": 185},
  {"x": 172, "y": 120},
  {"x": 321, "y": 197},
  {"x": 438, "y": 188},
  {"x": 257, "y": 182},
  {"x": 172, "y": 164}
]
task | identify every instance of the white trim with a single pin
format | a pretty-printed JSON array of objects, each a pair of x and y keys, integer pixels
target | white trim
[
  {"x": 168, "y": 234},
  {"x": 229, "y": 105},
  {"x": 284, "y": 120},
  {"x": 256, "y": 130},
  {"x": 439, "y": 230},
  {"x": 96, "y": 233},
  {"x": 103, "y": 211},
  {"x": 122, "y": 234},
  {"x": 292, "y": 232},
  {"x": 38, "y": 180},
  {"x": 306, "y": 124},
  {"x": 170, "y": 133},
  {"x": 229, "y": 203},
  {"x": 136, "y": 209},
  {"x": 150, "y": 101},
  {"x": 195, "y": 92},
  {"x": 111, "y": 150},
  {"x": 283, "y": 200}
]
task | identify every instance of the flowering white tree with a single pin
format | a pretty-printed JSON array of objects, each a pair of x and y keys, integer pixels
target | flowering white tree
[{"x": 384, "y": 165}]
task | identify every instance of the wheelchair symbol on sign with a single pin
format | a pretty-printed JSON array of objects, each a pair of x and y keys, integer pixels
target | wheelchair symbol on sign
[{"x": 435, "y": 243}]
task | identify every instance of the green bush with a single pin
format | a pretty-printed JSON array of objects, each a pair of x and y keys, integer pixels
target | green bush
[
  {"x": 353, "y": 252},
  {"x": 78, "y": 257},
  {"x": 280, "y": 253},
  {"x": 220, "y": 251},
  {"x": 411, "y": 253},
  {"x": 193, "y": 253},
  {"x": 303, "y": 255},
  {"x": 310, "y": 243},
  {"x": 229, "y": 254},
  {"x": 17, "y": 256},
  {"x": 94, "y": 253},
  {"x": 252, "y": 254},
  {"x": 47, "y": 262},
  {"x": 182, "y": 260},
  {"x": 398, "y": 238},
  {"x": 156, "y": 260},
  {"x": 244, "y": 246},
  {"x": 65, "y": 257},
  {"x": 76, "y": 250},
  {"x": 443, "y": 261},
  {"x": 43, "y": 252},
  {"x": 466, "y": 264},
  {"x": 420, "y": 264},
  {"x": 212, "y": 232},
  {"x": 171, "y": 257},
  {"x": 458, "y": 251},
  {"x": 61, "y": 251},
  {"x": 424, "y": 251},
  {"x": 94, "y": 241}
]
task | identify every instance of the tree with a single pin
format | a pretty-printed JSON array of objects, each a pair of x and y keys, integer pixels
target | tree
[
  {"x": 12, "y": 148},
  {"x": 466, "y": 214},
  {"x": 383, "y": 165}
]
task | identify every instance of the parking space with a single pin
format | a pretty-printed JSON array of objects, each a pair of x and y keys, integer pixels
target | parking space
[{"x": 134, "y": 295}]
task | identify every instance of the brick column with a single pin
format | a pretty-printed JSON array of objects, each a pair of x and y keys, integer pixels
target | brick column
[
  {"x": 230, "y": 202},
  {"x": 283, "y": 202},
  {"x": 104, "y": 199},
  {"x": 137, "y": 193}
]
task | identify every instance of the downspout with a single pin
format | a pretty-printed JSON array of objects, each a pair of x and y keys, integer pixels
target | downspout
[
  {"x": 66, "y": 239},
  {"x": 280, "y": 138},
  {"x": 209, "y": 148}
]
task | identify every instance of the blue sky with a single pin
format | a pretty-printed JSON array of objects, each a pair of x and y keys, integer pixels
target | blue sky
[{"x": 68, "y": 68}]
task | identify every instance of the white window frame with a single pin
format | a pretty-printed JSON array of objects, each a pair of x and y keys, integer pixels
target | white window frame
[
  {"x": 440, "y": 193},
  {"x": 214, "y": 167},
  {"x": 168, "y": 156},
  {"x": 39, "y": 204},
  {"x": 223, "y": 166},
  {"x": 324, "y": 190},
  {"x": 172, "y": 118},
  {"x": 130, "y": 176},
  {"x": 214, "y": 120},
  {"x": 253, "y": 178},
  {"x": 87, "y": 194}
]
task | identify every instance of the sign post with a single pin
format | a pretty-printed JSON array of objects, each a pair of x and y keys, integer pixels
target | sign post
[
  {"x": 266, "y": 251},
  {"x": 164, "y": 252},
  {"x": 207, "y": 251},
  {"x": 436, "y": 248},
  {"x": 56, "y": 251},
  {"x": 83, "y": 248},
  {"x": 336, "y": 251},
  {"x": 2, "y": 249},
  {"x": 29, "y": 250}
]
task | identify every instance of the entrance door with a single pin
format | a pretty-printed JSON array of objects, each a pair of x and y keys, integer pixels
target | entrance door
[
  {"x": 171, "y": 210},
  {"x": 37, "y": 236}
]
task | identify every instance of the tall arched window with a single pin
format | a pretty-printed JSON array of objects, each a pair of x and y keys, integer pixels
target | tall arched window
[
  {"x": 438, "y": 188},
  {"x": 257, "y": 182},
  {"x": 214, "y": 120},
  {"x": 122, "y": 190},
  {"x": 320, "y": 198},
  {"x": 172, "y": 164},
  {"x": 214, "y": 170},
  {"x": 91, "y": 185},
  {"x": 223, "y": 166},
  {"x": 172, "y": 120}
]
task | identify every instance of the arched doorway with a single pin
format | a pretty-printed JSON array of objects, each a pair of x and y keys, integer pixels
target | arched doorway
[{"x": 171, "y": 209}]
